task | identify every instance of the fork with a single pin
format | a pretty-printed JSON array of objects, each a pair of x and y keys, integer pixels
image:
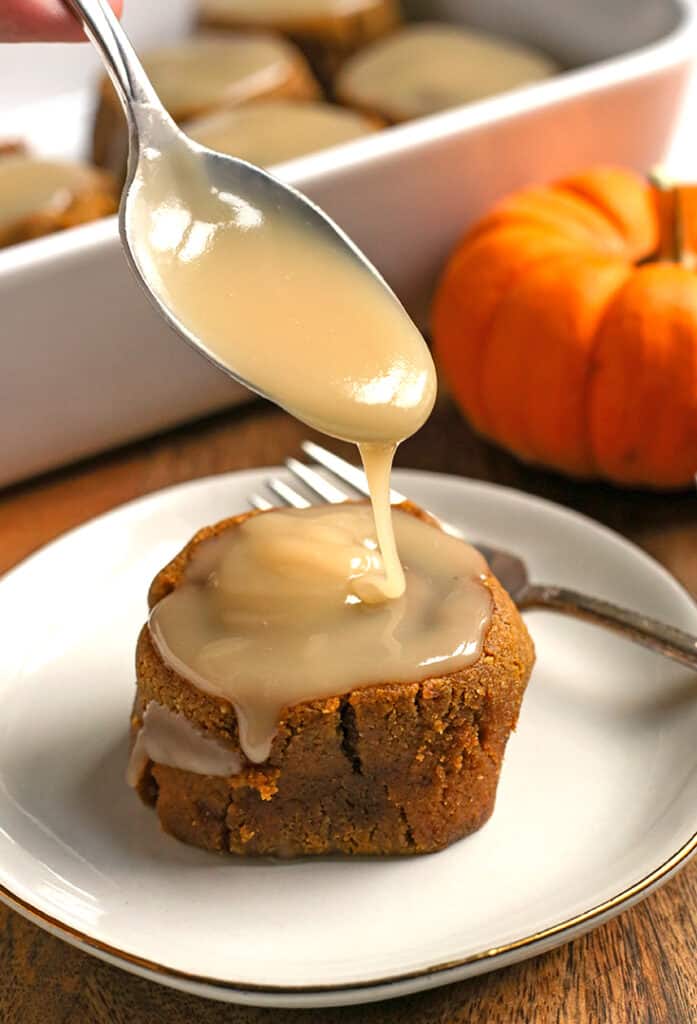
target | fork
[{"x": 510, "y": 569}]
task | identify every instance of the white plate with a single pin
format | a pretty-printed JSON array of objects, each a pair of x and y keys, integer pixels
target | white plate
[{"x": 597, "y": 802}]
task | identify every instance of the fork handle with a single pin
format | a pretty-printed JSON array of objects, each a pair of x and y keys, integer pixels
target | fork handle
[{"x": 657, "y": 636}]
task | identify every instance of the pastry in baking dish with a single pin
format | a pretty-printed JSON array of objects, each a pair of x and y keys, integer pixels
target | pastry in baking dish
[
  {"x": 430, "y": 66},
  {"x": 203, "y": 74},
  {"x": 328, "y": 31},
  {"x": 40, "y": 196}
]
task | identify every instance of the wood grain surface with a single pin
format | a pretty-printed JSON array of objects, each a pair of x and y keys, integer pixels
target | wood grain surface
[{"x": 638, "y": 969}]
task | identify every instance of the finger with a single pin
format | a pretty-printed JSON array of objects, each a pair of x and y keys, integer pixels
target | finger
[{"x": 31, "y": 21}]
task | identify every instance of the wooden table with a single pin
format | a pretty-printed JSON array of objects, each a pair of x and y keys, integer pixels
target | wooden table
[{"x": 639, "y": 969}]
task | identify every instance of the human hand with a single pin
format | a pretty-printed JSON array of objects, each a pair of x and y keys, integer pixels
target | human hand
[{"x": 32, "y": 21}]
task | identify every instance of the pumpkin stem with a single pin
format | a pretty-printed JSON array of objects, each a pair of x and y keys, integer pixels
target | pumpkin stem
[{"x": 677, "y": 230}]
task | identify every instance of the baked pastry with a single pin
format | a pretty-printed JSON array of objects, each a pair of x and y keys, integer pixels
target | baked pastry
[
  {"x": 387, "y": 768},
  {"x": 328, "y": 31},
  {"x": 271, "y": 131},
  {"x": 430, "y": 66},
  {"x": 202, "y": 74},
  {"x": 12, "y": 147},
  {"x": 40, "y": 196}
]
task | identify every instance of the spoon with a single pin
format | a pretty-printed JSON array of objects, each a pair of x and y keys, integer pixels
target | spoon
[{"x": 231, "y": 184}]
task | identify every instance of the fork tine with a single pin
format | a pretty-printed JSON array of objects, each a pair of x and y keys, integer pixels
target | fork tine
[
  {"x": 351, "y": 475},
  {"x": 316, "y": 482},
  {"x": 256, "y": 501},
  {"x": 288, "y": 494}
]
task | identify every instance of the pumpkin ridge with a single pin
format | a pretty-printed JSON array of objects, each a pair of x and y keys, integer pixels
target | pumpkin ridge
[
  {"x": 464, "y": 375},
  {"x": 535, "y": 368},
  {"x": 556, "y": 210},
  {"x": 613, "y": 219},
  {"x": 647, "y": 434},
  {"x": 589, "y": 376},
  {"x": 625, "y": 199}
]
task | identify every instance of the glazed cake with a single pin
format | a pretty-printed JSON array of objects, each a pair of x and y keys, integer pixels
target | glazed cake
[{"x": 387, "y": 767}]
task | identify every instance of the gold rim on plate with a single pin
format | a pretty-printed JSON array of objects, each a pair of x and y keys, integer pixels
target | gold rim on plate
[{"x": 160, "y": 972}]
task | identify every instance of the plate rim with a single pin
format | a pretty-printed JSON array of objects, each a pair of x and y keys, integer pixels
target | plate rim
[
  {"x": 207, "y": 985},
  {"x": 390, "y": 984}
]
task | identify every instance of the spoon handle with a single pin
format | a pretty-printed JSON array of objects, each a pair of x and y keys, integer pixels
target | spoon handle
[
  {"x": 125, "y": 70},
  {"x": 657, "y": 636}
]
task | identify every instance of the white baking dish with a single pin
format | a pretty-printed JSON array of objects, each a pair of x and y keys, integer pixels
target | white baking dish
[{"x": 86, "y": 364}]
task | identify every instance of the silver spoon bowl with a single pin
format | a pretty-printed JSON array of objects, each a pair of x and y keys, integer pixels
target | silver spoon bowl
[{"x": 150, "y": 128}]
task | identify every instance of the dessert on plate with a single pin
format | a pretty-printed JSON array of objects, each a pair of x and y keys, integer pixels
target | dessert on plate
[
  {"x": 279, "y": 712},
  {"x": 340, "y": 679}
]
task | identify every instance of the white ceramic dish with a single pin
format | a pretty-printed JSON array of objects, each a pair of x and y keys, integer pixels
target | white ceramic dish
[
  {"x": 597, "y": 802},
  {"x": 87, "y": 364}
]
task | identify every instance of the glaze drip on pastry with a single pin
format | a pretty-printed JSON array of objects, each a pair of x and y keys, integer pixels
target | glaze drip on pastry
[
  {"x": 273, "y": 613},
  {"x": 169, "y": 738},
  {"x": 292, "y": 312}
]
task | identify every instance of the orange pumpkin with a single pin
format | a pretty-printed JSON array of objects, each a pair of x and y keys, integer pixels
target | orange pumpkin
[{"x": 569, "y": 335}]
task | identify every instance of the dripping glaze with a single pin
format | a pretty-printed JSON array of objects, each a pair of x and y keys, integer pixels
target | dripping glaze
[{"x": 293, "y": 606}]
